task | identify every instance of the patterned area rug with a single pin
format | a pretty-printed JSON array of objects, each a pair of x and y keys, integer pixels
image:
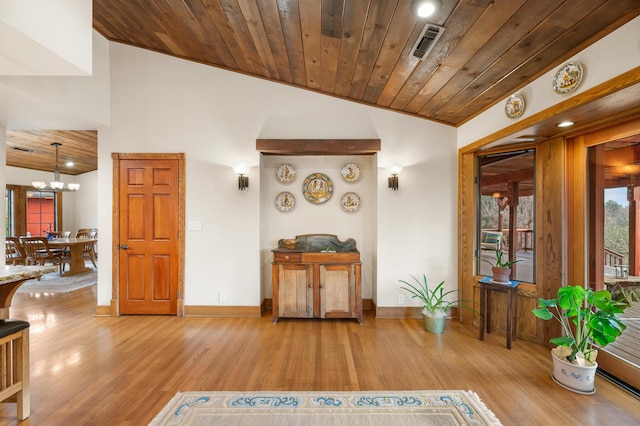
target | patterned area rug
[
  {"x": 451, "y": 407},
  {"x": 54, "y": 283}
]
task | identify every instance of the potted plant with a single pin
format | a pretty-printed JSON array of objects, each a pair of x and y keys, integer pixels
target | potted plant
[
  {"x": 500, "y": 268},
  {"x": 587, "y": 317},
  {"x": 434, "y": 305}
]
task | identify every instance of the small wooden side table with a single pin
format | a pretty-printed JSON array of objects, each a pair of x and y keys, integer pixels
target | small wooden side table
[{"x": 487, "y": 285}]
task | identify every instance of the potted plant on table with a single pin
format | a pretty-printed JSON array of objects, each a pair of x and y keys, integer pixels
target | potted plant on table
[
  {"x": 587, "y": 317},
  {"x": 434, "y": 305},
  {"x": 500, "y": 268}
]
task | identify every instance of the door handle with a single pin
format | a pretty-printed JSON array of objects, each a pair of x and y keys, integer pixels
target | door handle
[{"x": 123, "y": 247}]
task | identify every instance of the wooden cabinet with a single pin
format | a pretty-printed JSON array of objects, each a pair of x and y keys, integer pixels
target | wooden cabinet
[{"x": 316, "y": 285}]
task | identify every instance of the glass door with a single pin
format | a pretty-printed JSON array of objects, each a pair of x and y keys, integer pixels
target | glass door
[{"x": 613, "y": 244}]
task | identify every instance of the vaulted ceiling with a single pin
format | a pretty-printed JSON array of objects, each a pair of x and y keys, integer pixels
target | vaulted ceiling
[{"x": 360, "y": 50}]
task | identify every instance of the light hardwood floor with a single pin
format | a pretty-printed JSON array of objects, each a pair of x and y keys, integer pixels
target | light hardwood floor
[{"x": 122, "y": 371}]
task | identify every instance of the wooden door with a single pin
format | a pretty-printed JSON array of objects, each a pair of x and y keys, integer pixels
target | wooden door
[
  {"x": 337, "y": 291},
  {"x": 295, "y": 290},
  {"x": 149, "y": 236}
]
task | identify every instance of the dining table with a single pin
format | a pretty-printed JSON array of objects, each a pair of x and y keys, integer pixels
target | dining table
[
  {"x": 12, "y": 277},
  {"x": 75, "y": 246}
]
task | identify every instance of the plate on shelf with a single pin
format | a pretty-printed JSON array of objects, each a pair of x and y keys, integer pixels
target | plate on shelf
[
  {"x": 286, "y": 173},
  {"x": 514, "y": 107},
  {"x": 351, "y": 172},
  {"x": 350, "y": 202},
  {"x": 568, "y": 78},
  {"x": 317, "y": 188},
  {"x": 285, "y": 201}
]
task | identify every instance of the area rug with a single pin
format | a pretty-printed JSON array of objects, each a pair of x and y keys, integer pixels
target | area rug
[
  {"x": 54, "y": 283},
  {"x": 450, "y": 407}
]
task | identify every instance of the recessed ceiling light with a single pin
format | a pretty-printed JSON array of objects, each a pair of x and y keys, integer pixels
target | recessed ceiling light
[
  {"x": 424, "y": 8},
  {"x": 69, "y": 163},
  {"x": 566, "y": 124}
]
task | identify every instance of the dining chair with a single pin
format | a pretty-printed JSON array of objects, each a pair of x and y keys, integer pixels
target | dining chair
[
  {"x": 88, "y": 249},
  {"x": 64, "y": 251},
  {"x": 61, "y": 234},
  {"x": 38, "y": 252},
  {"x": 14, "y": 253}
]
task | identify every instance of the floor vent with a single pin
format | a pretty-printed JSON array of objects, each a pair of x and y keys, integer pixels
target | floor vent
[{"x": 427, "y": 40}]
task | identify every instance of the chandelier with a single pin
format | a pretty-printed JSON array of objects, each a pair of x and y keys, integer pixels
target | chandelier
[{"x": 56, "y": 185}]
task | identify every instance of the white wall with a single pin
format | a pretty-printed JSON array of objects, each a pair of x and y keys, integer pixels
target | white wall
[
  {"x": 41, "y": 44},
  {"x": 59, "y": 102},
  {"x": 163, "y": 104},
  {"x": 86, "y": 201}
]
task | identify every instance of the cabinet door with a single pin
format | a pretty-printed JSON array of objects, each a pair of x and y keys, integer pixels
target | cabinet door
[
  {"x": 337, "y": 291},
  {"x": 295, "y": 291}
]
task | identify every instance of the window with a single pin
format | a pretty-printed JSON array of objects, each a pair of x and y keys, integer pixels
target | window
[
  {"x": 8, "y": 212},
  {"x": 506, "y": 212},
  {"x": 41, "y": 212}
]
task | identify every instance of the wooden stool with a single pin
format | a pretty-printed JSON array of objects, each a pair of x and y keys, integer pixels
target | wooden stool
[
  {"x": 486, "y": 287},
  {"x": 14, "y": 359}
]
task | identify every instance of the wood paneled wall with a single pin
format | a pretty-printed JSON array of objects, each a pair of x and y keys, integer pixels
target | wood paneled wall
[
  {"x": 562, "y": 214},
  {"x": 550, "y": 174},
  {"x": 466, "y": 233}
]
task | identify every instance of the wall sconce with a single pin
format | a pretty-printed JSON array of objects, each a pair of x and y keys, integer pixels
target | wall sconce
[
  {"x": 243, "y": 180},
  {"x": 393, "y": 179}
]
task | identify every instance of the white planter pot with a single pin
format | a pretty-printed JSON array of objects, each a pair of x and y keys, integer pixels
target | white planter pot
[
  {"x": 433, "y": 325},
  {"x": 574, "y": 377}
]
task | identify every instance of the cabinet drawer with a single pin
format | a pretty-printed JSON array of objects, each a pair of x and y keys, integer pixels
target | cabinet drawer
[{"x": 286, "y": 257}]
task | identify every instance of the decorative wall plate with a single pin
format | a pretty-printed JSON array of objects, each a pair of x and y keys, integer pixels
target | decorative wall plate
[
  {"x": 514, "y": 107},
  {"x": 285, "y": 201},
  {"x": 286, "y": 173},
  {"x": 568, "y": 78},
  {"x": 351, "y": 172},
  {"x": 317, "y": 188},
  {"x": 350, "y": 202}
]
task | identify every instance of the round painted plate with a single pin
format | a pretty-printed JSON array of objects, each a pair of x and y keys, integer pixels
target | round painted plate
[
  {"x": 568, "y": 78},
  {"x": 317, "y": 188},
  {"x": 350, "y": 202},
  {"x": 351, "y": 172},
  {"x": 514, "y": 107},
  {"x": 286, "y": 173},
  {"x": 285, "y": 201}
]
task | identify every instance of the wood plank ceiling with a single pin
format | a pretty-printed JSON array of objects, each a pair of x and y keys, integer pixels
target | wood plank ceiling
[{"x": 360, "y": 50}]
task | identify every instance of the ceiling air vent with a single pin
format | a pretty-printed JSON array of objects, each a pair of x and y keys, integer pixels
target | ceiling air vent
[
  {"x": 427, "y": 40},
  {"x": 19, "y": 148}
]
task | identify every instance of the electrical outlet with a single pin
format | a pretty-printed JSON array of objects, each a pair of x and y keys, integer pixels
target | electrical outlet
[
  {"x": 222, "y": 298},
  {"x": 401, "y": 299}
]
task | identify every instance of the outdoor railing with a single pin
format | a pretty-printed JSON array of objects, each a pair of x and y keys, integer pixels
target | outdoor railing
[{"x": 612, "y": 258}]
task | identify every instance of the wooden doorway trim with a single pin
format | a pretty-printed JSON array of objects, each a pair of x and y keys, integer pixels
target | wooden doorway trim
[{"x": 116, "y": 157}]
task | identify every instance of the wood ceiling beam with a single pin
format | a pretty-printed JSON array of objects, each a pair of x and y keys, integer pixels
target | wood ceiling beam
[
  {"x": 318, "y": 146},
  {"x": 517, "y": 176}
]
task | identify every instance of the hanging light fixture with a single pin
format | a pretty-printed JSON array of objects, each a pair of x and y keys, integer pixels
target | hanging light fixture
[{"x": 56, "y": 185}]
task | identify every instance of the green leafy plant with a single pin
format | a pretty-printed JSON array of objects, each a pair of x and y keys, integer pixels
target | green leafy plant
[
  {"x": 433, "y": 301},
  {"x": 586, "y": 316},
  {"x": 500, "y": 262}
]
